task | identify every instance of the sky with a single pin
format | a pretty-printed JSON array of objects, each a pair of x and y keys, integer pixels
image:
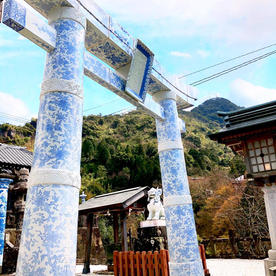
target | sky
[{"x": 185, "y": 36}]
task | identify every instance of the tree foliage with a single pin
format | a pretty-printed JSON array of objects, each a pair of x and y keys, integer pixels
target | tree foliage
[{"x": 120, "y": 152}]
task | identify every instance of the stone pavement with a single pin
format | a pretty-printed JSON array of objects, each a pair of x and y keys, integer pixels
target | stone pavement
[
  {"x": 96, "y": 270},
  {"x": 217, "y": 267},
  {"x": 95, "y": 274}
]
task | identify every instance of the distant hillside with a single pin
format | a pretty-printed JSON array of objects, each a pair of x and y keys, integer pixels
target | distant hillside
[
  {"x": 207, "y": 111},
  {"x": 120, "y": 151}
]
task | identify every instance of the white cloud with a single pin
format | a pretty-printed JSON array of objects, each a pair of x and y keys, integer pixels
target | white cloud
[
  {"x": 180, "y": 54},
  {"x": 203, "y": 53},
  {"x": 12, "y": 54},
  {"x": 21, "y": 37},
  {"x": 237, "y": 21},
  {"x": 5, "y": 42},
  {"x": 244, "y": 93},
  {"x": 13, "y": 110}
]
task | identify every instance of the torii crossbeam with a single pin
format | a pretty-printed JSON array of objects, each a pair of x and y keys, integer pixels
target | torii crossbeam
[{"x": 83, "y": 40}]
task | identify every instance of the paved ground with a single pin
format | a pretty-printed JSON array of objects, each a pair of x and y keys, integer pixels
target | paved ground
[
  {"x": 235, "y": 267},
  {"x": 93, "y": 269},
  {"x": 217, "y": 267}
]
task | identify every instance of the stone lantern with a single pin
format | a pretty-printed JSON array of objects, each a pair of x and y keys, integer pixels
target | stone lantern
[
  {"x": 83, "y": 197},
  {"x": 251, "y": 132}
]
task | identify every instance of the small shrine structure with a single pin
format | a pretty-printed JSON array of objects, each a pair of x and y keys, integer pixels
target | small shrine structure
[
  {"x": 251, "y": 132},
  {"x": 118, "y": 204},
  {"x": 15, "y": 164}
]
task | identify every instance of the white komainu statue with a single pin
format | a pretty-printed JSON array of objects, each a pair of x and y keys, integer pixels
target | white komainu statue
[{"x": 155, "y": 207}]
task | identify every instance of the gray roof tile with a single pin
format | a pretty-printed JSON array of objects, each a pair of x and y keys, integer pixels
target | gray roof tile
[
  {"x": 15, "y": 155},
  {"x": 116, "y": 198},
  {"x": 250, "y": 118}
]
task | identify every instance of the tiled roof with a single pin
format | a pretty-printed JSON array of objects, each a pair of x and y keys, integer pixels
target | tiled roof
[
  {"x": 14, "y": 155},
  {"x": 121, "y": 198},
  {"x": 251, "y": 118}
]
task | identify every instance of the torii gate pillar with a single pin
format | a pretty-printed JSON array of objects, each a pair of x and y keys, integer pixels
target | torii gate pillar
[
  {"x": 4, "y": 187},
  {"x": 49, "y": 235},
  {"x": 182, "y": 238}
]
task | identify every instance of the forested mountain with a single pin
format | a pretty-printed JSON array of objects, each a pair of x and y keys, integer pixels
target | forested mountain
[
  {"x": 121, "y": 152},
  {"x": 207, "y": 111}
]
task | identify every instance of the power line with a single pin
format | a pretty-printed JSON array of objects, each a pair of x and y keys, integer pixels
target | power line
[
  {"x": 11, "y": 117},
  {"x": 97, "y": 106},
  {"x": 129, "y": 109},
  {"x": 8, "y": 120},
  {"x": 228, "y": 60},
  {"x": 196, "y": 83}
]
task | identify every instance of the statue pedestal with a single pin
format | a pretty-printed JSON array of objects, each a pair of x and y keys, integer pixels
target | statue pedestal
[
  {"x": 152, "y": 223},
  {"x": 152, "y": 236}
]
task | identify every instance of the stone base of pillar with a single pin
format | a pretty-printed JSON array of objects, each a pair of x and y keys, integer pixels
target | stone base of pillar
[
  {"x": 0, "y": 269},
  {"x": 268, "y": 264},
  {"x": 188, "y": 269}
]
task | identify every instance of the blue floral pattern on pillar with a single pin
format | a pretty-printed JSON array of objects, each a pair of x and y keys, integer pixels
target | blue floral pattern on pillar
[
  {"x": 48, "y": 242},
  {"x": 59, "y": 126},
  {"x": 49, "y": 234},
  {"x": 182, "y": 238},
  {"x": 4, "y": 187}
]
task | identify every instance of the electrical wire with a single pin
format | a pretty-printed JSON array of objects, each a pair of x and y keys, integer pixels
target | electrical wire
[
  {"x": 4, "y": 120},
  {"x": 196, "y": 83},
  {"x": 13, "y": 117},
  {"x": 98, "y": 106},
  {"x": 226, "y": 61},
  {"x": 129, "y": 109}
]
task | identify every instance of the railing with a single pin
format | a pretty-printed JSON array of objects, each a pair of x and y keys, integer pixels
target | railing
[
  {"x": 141, "y": 263},
  {"x": 144, "y": 263}
]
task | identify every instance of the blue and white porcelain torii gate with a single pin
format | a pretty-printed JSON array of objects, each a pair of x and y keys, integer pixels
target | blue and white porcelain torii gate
[{"x": 81, "y": 39}]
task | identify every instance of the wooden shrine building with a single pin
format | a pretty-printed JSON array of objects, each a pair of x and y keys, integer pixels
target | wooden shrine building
[
  {"x": 251, "y": 132},
  {"x": 119, "y": 205},
  {"x": 15, "y": 164}
]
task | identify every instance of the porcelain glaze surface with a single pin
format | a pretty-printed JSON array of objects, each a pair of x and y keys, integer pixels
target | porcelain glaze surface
[
  {"x": 173, "y": 170},
  {"x": 59, "y": 127},
  {"x": 182, "y": 238},
  {"x": 168, "y": 130},
  {"x": 49, "y": 235},
  {"x": 28, "y": 24},
  {"x": 4, "y": 187},
  {"x": 14, "y": 15},
  {"x": 66, "y": 61},
  {"x": 140, "y": 70},
  {"x": 108, "y": 78}
]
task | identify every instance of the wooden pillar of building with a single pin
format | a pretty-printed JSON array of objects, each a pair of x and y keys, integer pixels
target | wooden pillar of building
[
  {"x": 86, "y": 267},
  {"x": 124, "y": 232},
  {"x": 116, "y": 227}
]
